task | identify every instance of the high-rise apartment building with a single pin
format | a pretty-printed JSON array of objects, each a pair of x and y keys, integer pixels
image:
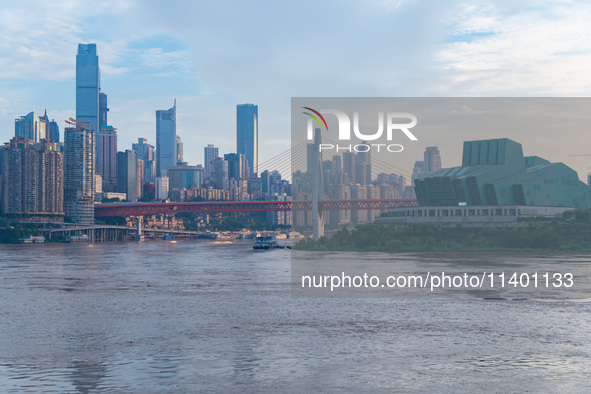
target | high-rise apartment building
[
  {"x": 162, "y": 188},
  {"x": 180, "y": 160},
  {"x": 79, "y": 170},
  {"x": 87, "y": 87},
  {"x": 107, "y": 157},
  {"x": 219, "y": 176},
  {"x": 54, "y": 131},
  {"x": 418, "y": 170},
  {"x": 146, "y": 152},
  {"x": 237, "y": 166},
  {"x": 210, "y": 153},
  {"x": 166, "y": 155},
  {"x": 349, "y": 166},
  {"x": 247, "y": 134},
  {"x": 32, "y": 178},
  {"x": 127, "y": 173},
  {"x": 432, "y": 159},
  {"x": 103, "y": 110},
  {"x": 363, "y": 167}
]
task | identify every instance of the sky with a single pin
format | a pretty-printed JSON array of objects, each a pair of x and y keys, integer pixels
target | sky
[{"x": 212, "y": 55}]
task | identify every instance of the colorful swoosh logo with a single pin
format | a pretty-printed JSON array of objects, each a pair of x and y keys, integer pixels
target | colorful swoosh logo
[{"x": 315, "y": 118}]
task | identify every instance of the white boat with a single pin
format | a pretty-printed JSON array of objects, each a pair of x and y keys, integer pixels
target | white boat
[
  {"x": 30, "y": 239},
  {"x": 264, "y": 242}
]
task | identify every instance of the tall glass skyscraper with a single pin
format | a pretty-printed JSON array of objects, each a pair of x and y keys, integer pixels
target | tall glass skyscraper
[
  {"x": 87, "y": 86},
  {"x": 166, "y": 155},
  {"x": 247, "y": 134}
]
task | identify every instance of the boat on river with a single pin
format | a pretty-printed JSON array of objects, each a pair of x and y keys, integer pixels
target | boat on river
[{"x": 264, "y": 242}]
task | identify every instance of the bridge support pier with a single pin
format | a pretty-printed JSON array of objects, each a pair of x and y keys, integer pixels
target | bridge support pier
[{"x": 139, "y": 223}]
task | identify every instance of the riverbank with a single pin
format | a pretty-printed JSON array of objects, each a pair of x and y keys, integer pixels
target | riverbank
[{"x": 565, "y": 236}]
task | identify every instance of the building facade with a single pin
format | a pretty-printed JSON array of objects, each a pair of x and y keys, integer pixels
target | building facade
[
  {"x": 495, "y": 172},
  {"x": 219, "y": 169},
  {"x": 210, "y": 153},
  {"x": 185, "y": 177},
  {"x": 87, "y": 87},
  {"x": 237, "y": 166},
  {"x": 32, "y": 178},
  {"x": 166, "y": 154},
  {"x": 103, "y": 110},
  {"x": 79, "y": 170},
  {"x": 107, "y": 157},
  {"x": 162, "y": 188},
  {"x": 127, "y": 172},
  {"x": 247, "y": 134},
  {"x": 31, "y": 127},
  {"x": 180, "y": 158},
  {"x": 147, "y": 153}
]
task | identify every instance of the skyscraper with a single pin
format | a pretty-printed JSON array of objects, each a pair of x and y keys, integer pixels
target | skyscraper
[
  {"x": 107, "y": 157},
  {"x": 180, "y": 160},
  {"x": 31, "y": 127},
  {"x": 127, "y": 172},
  {"x": 166, "y": 155},
  {"x": 210, "y": 153},
  {"x": 237, "y": 166},
  {"x": 103, "y": 109},
  {"x": 247, "y": 134},
  {"x": 54, "y": 131},
  {"x": 432, "y": 159},
  {"x": 79, "y": 169},
  {"x": 219, "y": 173},
  {"x": 146, "y": 153},
  {"x": 87, "y": 87},
  {"x": 349, "y": 166}
]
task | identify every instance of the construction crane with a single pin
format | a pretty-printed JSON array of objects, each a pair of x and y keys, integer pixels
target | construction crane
[{"x": 74, "y": 122}]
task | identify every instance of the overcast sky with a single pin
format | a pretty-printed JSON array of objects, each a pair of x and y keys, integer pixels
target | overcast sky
[{"x": 212, "y": 55}]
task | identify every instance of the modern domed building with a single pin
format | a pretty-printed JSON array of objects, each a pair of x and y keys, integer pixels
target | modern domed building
[{"x": 495, "y": 173}]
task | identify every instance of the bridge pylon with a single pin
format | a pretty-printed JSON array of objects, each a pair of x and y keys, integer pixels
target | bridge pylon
[{"x": 317, "y": 188}]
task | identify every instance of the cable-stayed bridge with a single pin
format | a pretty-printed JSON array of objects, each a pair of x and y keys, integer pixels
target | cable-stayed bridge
[{"x": 304, "y": 156}]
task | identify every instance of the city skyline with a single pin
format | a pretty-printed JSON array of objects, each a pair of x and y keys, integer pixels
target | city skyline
[{"x": 147, "y": 60}]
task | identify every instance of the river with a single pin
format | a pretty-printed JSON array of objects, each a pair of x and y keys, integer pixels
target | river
[{"x": 195, "y": 315}]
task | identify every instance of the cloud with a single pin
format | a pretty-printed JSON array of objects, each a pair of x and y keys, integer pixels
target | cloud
[{"x": 529, "y": 51}]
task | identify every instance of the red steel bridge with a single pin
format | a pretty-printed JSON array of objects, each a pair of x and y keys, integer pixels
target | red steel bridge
[{"x": 142, "y": 209}]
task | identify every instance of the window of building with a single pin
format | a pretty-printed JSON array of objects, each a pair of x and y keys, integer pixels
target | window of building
[
  {"x": 498, "y": 212},
  {"x": 444, "y": 212},
  {"x": 431, "y": 212},
  {"x": 485, "y": 212},
  {"x": 512, "y": 212},
  {"x": 471, "y": 212},
  {"x": 458, "y": 212}
]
